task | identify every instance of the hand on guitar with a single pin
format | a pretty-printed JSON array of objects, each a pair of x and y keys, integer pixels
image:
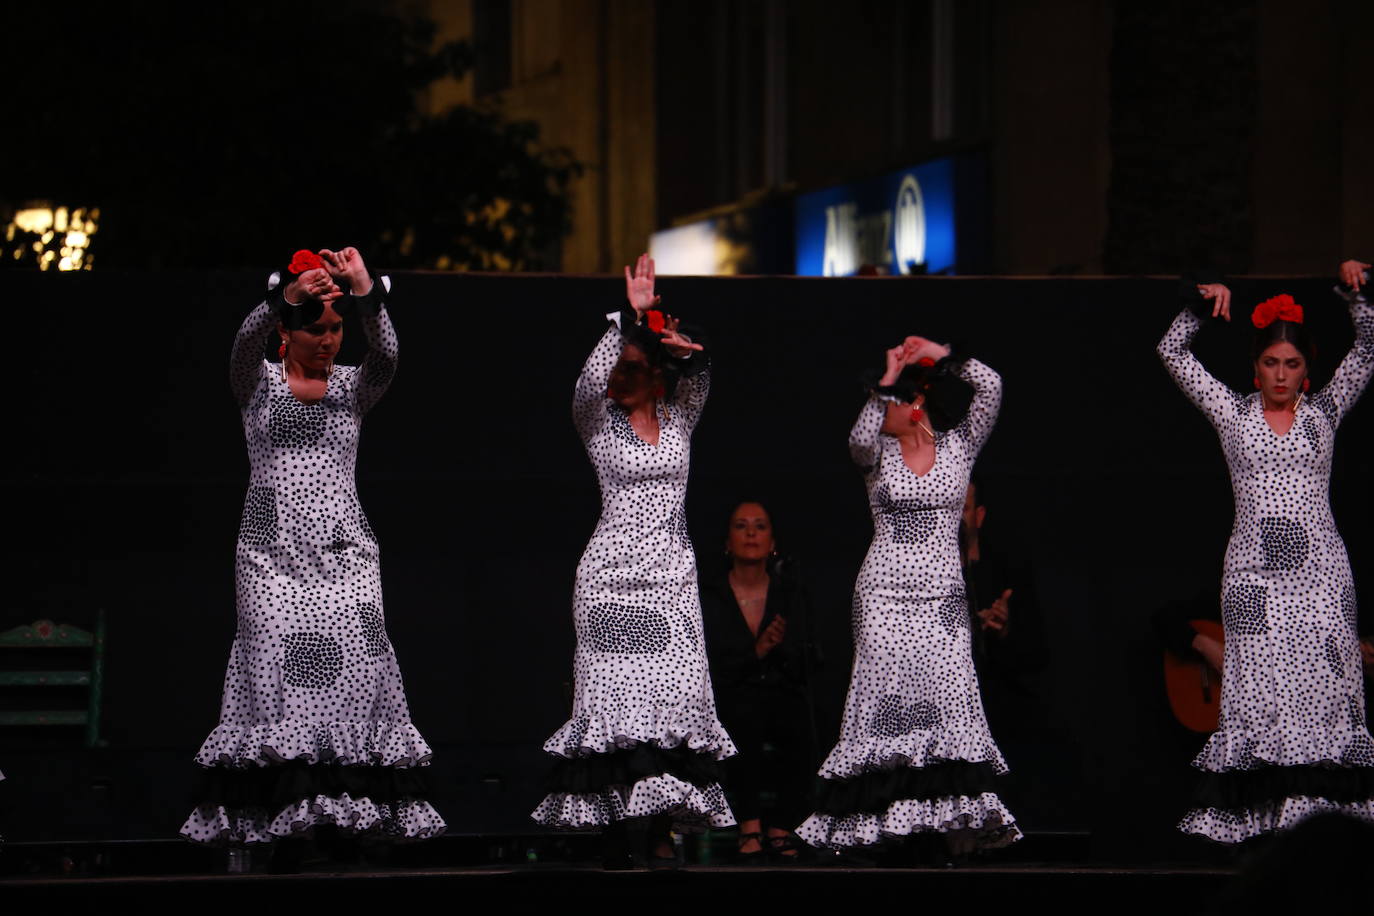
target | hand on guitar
[{"x": 1210, "y": 649}]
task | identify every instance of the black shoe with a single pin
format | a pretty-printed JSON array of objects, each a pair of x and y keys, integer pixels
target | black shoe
[{"x": 785, "y": 850}]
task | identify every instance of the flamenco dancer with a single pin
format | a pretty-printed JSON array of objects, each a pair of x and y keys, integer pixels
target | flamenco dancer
[
  {"x": 915, "y": 754},
  {"x": 1292, "y": 738},
  {"x": 643, "y": 739},
  {"x": 314, "y": 729}
]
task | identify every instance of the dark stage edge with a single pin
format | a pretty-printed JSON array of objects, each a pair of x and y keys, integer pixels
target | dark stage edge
[
  {"x": 703, "y": 888},
  {"x": 171, "y": 857},
  {"x": 554, "y": 870}
]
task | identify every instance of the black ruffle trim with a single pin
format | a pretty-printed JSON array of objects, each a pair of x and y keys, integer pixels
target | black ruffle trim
[
  {"x": 1235, "y": 789},
  {"x": 275, "y": 787},
  {"x": 874, "y": 793},
  {"x": 595, "y": 772}
]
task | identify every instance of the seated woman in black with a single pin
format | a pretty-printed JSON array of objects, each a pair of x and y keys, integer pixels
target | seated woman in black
[{"x": 758, "y": 640}]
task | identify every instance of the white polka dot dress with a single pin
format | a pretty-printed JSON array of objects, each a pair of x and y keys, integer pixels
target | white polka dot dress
[
  {"x": 314, "y": 728},
  {"x": 1291, "y": 739},
  {"x": 643, "y": 738},
  {"x": 915, "y": 754}
]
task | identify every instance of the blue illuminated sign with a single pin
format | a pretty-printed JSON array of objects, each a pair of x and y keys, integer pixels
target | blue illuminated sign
[{"x": 901, "y": 223}]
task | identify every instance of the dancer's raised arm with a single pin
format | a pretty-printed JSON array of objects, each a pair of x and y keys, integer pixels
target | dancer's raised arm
[
  {"x": 1352, "y": 375},
  {"x": 1212, "y": 397}
]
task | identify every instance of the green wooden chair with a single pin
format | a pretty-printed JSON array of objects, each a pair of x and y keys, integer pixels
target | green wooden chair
[{"x": 42, "y": 636}]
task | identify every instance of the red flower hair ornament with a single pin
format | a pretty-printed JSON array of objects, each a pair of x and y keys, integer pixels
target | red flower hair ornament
[
  {"x": 304, "y": 260},
  {"x": 655, "y": 319},
  {"x": 1277, "y": 308}
]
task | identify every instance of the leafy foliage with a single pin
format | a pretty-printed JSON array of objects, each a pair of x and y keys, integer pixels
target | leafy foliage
[{"x": 228, "y": 134}]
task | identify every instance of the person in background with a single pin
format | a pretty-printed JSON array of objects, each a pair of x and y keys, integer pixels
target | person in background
[{"x": 759, "y": 639}]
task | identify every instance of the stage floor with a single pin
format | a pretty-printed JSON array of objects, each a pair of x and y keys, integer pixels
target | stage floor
[{"x": 1067, "y": 889}]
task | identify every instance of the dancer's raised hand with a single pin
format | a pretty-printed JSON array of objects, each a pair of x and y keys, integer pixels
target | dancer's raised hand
[
  {"x": 347, "y": 264},
  {"x": 1352, "y": 273},
  {"x": 919, "y": 348},
  {"x": 315, "y": 283},
  {"x": 1219, "y": 296},
  {"x": 678, "y": 344},
  {"x": 639, "y": 286}
]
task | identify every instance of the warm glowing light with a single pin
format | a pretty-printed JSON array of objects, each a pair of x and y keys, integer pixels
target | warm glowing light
[
  {"x": 56, "y": 236},
  {"x": 36, "y": 220}
]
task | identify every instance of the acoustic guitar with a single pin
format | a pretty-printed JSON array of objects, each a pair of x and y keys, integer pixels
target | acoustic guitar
[{"x": 1194, "y": 687}]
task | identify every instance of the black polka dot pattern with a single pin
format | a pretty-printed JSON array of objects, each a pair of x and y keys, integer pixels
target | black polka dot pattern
[
  {"x": 954, "y": 611},
  {"x": 311, "y": 660},
  {"x": 374, "y": 629},
  {"x": 913, "y": 696},
  {"x": 1242, "y": 610},
  {"x": 311, "y": 674},
  {"x": 258, "y": 526},
  {"x": 639, "y": 670},
  {"x": 618, "y": 423},
  {"x": 1291, "y": 658},
  {"x": 893, "y": 717},
  {"x": 619, "y": 628},
  {"x": 1284, "y": 543},
  {"x": 292, "y": 424},
  {"x": 908, "y": 524}
]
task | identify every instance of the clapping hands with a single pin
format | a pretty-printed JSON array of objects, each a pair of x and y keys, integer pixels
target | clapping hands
[{"x": 771, "y": 637}]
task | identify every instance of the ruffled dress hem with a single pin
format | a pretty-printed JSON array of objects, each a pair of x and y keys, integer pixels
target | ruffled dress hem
[
  {"x": 693, "y": 808},
  {"x": 850, "y": 759},
  {"x": 1230, "y": 826},
  {"x": 1239, "y": 750},
  {"x": 659, "y": 726},
  {"x": 347, "y": 743},
  {"x": 399, "y": 821},
  {"x": 637, "y": 780},
  {"x": 985, "y": 814}
]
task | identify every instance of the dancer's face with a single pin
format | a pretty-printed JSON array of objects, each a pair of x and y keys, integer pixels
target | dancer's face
[
  {"x": 633, "y": 380},
  {"x": 750, "y": 538},
  {"x": 1281, "y": 370},
  {"x": 897, "y": 421},
  {"x": 315, "y": 345}
]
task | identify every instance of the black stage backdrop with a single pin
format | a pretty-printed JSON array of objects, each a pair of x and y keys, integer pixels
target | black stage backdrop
[{"x": 126, "y": 473}]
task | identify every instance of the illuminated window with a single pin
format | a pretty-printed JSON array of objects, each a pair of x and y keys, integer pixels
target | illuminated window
[{"x": 50, "y": 238}]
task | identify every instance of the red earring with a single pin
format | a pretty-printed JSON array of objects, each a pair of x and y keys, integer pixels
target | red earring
[
  {"x": 281, "y": 351},
  {"x": 1257, "y": 384},
  {"x": 1306, "y": 384},
  {"x": 917, "y": 415}
]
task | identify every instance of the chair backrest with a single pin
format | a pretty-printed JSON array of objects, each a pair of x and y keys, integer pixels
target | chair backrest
[{"x": 45, "y": 635}]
